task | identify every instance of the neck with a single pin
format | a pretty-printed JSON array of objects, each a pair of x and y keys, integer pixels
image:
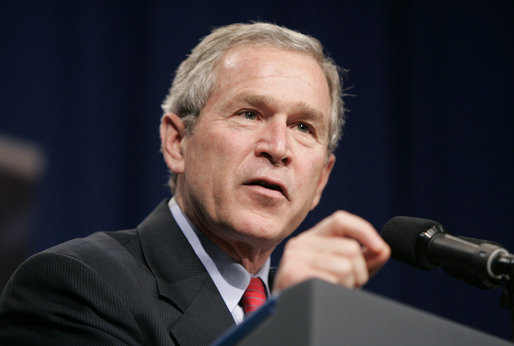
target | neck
[
  {"x": 251, "y": 253},
  {"x": 245, "y": 254}
]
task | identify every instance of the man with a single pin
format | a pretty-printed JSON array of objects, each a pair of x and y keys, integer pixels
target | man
[{"x": 248, "y": 132}]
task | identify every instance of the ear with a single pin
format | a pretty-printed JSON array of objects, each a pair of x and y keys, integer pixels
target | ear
[
  {"x": 325, "y": 174},
  {"x": 172, "y": 133}
]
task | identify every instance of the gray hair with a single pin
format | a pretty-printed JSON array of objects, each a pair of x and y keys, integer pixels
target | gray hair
[{"x": 195, "y": 78}]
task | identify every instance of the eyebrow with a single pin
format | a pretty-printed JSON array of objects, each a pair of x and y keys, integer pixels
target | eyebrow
[
  {"x": 267, "y": 102},
  {"x": 258, "y": 101}
]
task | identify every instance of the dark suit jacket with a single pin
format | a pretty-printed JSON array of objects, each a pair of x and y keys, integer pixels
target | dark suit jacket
[{"x": 143, "y": 286}]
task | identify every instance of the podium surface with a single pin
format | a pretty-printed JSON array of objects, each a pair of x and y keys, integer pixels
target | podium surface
[{"x": 318, "y": 313}]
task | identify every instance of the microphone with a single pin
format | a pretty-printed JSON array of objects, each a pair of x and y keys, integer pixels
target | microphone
[{"x": 426, "y": 245}]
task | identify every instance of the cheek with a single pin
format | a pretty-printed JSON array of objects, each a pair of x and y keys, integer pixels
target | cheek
[
  {"x": 214, "y": 153},
  {"x": 202, "y": 147},
  {"x": 308, "y": 173}
]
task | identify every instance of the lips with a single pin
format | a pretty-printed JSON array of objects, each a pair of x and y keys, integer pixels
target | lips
[{"x": 269, "y": 184}]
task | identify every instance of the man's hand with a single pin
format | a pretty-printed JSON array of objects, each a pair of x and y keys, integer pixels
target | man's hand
[{"x": 343, "y": 249}]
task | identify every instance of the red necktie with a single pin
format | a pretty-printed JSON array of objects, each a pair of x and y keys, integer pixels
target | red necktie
[{"x": 254, "y": 296}]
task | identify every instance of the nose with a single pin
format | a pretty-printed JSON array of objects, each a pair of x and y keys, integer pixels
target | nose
[{"x": 273, "y": 143}]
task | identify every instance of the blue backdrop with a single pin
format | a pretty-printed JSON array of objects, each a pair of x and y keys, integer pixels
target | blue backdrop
[{"x": 429, "y": 133}]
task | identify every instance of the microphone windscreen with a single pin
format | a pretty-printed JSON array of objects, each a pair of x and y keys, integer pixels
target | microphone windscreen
[{"x": 402, "y": 234}]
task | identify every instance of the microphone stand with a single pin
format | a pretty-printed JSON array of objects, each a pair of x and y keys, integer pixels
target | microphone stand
[{"x": 505, "y": 265}]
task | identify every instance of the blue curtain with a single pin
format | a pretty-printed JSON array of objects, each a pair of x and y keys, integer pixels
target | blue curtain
[{"x": 429, "y": 132}]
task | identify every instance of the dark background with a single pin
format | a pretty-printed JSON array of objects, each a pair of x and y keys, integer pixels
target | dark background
[{"x": 429, "y": 133}]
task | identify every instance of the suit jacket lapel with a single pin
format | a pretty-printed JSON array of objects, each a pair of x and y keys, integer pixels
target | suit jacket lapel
[{"x": 182, "y": 280}]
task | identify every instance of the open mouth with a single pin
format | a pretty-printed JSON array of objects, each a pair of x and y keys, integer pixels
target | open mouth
[{"x": 269, "y": 185}]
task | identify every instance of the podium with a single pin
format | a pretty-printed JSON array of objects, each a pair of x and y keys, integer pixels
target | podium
[{"x": 318, "y": 313}]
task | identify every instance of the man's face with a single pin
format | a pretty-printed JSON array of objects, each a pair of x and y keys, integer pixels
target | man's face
[{"x": 257, "y": 162}]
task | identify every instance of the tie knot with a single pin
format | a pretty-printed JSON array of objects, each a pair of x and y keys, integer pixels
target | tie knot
[{"x": 254, "y": 296}]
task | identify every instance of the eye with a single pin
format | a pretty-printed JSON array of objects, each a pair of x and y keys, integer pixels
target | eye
[
  {"x": 250, "y": 115},
  {"x": 303, "y": 127}
]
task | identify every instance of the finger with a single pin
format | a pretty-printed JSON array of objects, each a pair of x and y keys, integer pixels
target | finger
[
  {"x": 294, "y": 269},
  {"x": 345, "y": 224},
  {"x": 309, "y": 241},
  {"x": 361, "y": 270},
  {"x": 339, "y": 256},
  {"x": 349, "y": 272},
  {"x": 375, "y": 261},
  {"x": 332, "y": 269},
  {"x": 335, "y": 246}
]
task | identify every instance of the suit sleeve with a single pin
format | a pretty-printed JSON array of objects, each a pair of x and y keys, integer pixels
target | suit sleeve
[{"x": 54, "y": 299}]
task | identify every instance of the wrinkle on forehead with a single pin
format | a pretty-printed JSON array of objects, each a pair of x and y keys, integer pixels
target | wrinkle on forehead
[{"x": 236, "y": 58}]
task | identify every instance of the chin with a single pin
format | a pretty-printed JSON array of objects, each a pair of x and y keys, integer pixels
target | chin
[{"x": 265, "y": 230}]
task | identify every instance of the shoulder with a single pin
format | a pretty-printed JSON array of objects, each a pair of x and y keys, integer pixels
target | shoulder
[
  {"x": 103, "y": 258},
  {"x": 110, "y": 247},
  {"x": 80, "y": 286},
  {"x": 113, "y": 259}
]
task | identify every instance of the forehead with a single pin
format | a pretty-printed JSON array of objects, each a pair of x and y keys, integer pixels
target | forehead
[{"x": 270, "y": 68}]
